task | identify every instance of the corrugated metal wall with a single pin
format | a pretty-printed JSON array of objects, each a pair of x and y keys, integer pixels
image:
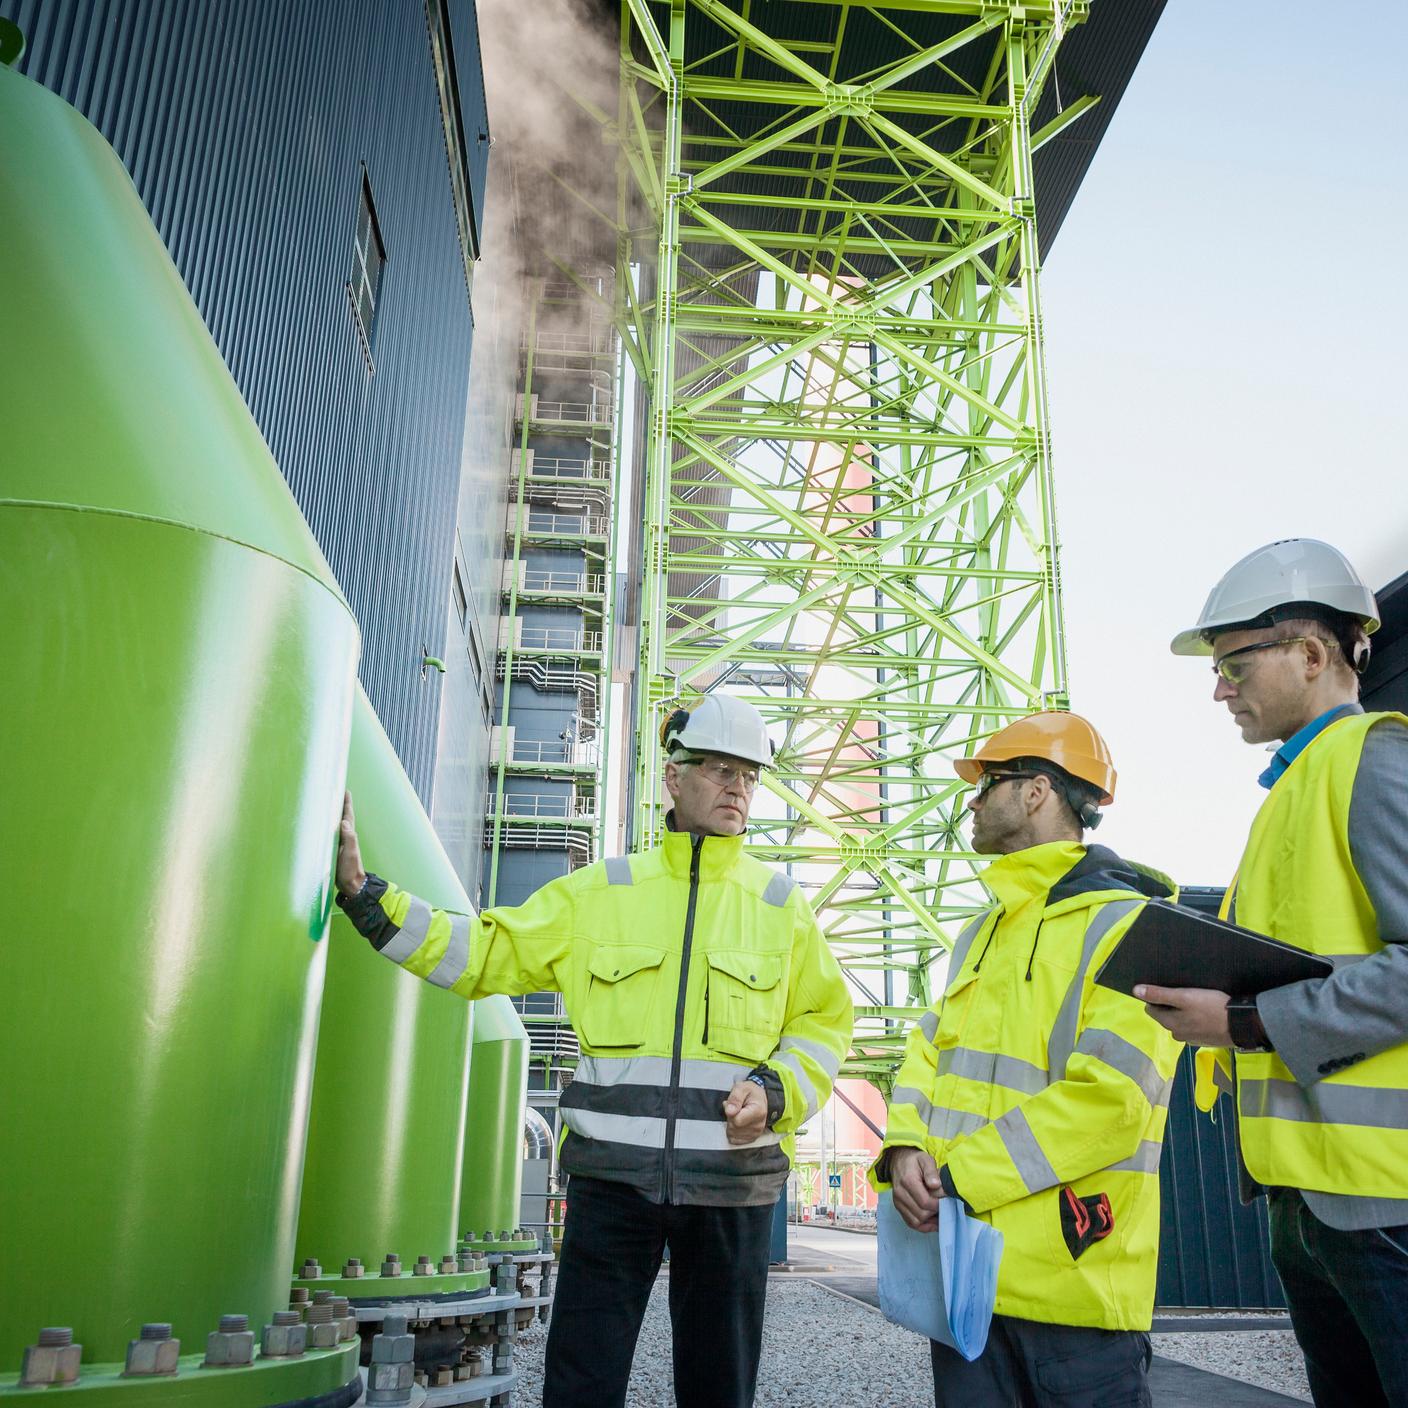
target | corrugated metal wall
[{"x": 247, "y": 128}]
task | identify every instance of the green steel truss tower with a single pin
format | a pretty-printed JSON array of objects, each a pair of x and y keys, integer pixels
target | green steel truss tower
[{"x": 843, "y": 466}]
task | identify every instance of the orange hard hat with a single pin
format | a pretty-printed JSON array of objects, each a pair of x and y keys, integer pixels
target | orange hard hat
[{"x": 1055, "y": 736}]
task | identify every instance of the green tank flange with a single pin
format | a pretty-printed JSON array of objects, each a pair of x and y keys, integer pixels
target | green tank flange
[{"x": 314, "y": 1374}]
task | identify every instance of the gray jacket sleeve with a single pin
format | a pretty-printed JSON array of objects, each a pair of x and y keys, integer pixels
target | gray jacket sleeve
[{"x": 1328, "y": 1024}]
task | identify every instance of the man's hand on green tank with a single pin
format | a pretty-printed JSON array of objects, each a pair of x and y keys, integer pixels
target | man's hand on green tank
[
  {"x": 350, "y": 875},
  {"x": 746, "y": 1112}
]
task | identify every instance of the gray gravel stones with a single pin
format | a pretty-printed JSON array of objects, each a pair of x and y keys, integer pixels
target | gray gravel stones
[
  {"x": 1268, "y": 1358},
  {"x": 819, "y": 1351},
  {"x": 823, "y": 1350}
]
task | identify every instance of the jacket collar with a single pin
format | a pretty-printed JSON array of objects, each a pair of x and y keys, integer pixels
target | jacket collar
[
  {"x": 717, "y": 854},
  {"x": 1064, "y": 871}
]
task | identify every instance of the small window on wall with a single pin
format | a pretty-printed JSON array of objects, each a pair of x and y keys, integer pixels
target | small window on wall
[
  {"x": 368, "y": 261},
  {"x": 461, "y": 603}
]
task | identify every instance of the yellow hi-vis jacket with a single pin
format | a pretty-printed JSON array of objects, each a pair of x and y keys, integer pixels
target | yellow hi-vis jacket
[
  {"x": 1348, "y": 1132},
  {"x": 1037, "y": 1091},
  {"x": 683, "y": 970}
]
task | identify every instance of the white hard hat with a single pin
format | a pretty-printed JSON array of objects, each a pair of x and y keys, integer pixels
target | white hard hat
[
  {"x": 719, "y": 723},
  {"x": 1293, "y": 570}
]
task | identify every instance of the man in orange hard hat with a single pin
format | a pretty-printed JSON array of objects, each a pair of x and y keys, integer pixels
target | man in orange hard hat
[{"x": 1037, "y": 1097}]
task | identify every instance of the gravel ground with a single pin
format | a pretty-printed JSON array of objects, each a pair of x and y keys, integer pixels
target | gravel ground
[
  {"x": 819, "y": 1351},
  {"x": 823, "y": 1351},
  {"x": 1268, "y": 1358}
]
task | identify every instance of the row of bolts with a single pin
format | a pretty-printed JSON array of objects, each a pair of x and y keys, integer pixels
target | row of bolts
[{"x": 55, "y": 1359}]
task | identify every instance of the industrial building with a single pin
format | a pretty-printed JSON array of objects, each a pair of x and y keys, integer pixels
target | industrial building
[{"x": 351, "y": 439}]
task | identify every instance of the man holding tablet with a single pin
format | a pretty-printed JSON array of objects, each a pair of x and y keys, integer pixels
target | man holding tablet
[{"x": 1320, "y": 1067}]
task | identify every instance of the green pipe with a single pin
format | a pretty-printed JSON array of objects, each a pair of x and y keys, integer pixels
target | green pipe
[
  {"x": 498, "y": 1100},
  {"x": 179, "y": 666},
  {"x": 386, "y": 1137}
]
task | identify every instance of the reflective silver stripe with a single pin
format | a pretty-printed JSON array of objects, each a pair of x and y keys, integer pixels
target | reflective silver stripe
[
  {"x": 1323, "y": 1103},
  {"x": 655, "y": 1070},
  {"x": 1062, "y": 1040},
  {"x": 450, "y": 968},
  {"x": 1031, "y": 1164},
  {"x": 1145, "y": 1159},
  {"x": 780, "y": 886},
  {"x": 811, "y": 1096},
  {"x": 990, "y": 1068},
  {"x": 618, "y": 870},
  {"x": 917, "y": 1100},
  {"x": 827, "y": 1059},
  {"x": 411, "y": 934},
  {"x": 1221, "y": 1079},
  {"x": 1111, "y": 1049},
  {"x": 646, "y": 1132},
  {"x": 954, "y": 1124},
  {"x": 929, "y": 1025}
]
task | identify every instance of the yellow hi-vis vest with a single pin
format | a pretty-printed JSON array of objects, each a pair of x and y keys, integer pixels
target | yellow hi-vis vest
[
  {"x": 1347, "y": 1133},
  {"x": 1032, "y": 1084},
  {"x": 682, "y": 969}
]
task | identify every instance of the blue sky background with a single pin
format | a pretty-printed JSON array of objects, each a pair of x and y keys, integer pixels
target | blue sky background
[{"x": 1226, "y": 312}]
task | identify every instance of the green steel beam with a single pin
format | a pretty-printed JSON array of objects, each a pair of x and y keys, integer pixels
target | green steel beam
[{"x": 848, "y": 503}]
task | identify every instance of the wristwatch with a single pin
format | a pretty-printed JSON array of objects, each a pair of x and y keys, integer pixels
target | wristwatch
[{"x": 1244, "y": 1025}]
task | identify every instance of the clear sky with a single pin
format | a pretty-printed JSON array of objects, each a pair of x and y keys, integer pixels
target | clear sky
[{"x": 1226, "y": 314}]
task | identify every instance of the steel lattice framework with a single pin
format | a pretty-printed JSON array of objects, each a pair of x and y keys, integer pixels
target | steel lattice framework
[{"x": 848, "y": 514}]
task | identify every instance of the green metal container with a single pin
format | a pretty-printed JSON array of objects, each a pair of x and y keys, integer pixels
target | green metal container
[
  {"x": 386, "y": 1137},
  {"x": 178, "y": 669},
  {"x": 493, "y": 1139}
]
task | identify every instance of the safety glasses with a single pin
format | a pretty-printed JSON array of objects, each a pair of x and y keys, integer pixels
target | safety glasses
[
  {"x": 1234, "y": 669},
  {"x": 988, "y": 780},
  {"x": 723, "y": 774}
]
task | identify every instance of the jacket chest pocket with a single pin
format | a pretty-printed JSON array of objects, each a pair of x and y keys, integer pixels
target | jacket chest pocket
[
  {"x": 620, "y": 996},
  {"x": 744, "y": 1003}
]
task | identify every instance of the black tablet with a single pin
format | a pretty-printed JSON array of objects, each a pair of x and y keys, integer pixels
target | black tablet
[{"x": 1177, "y": 947}]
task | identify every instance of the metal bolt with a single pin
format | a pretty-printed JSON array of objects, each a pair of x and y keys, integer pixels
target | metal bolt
[
  {"x": 154, "y": 1353},
  {"x": 352, "y": 1268},
  {"x": 466, "y": 1261},
  {"x": 298, "y": 1296},
  {"x": 323, "y": 1333},
  {"x": 346, "y": 1320},
  {"x": 311, "y": 1270},
  {"x": 392, "y": 1369},
  {"x": 448, "y": 1265},
  {"x": 231, "y": 1346},
  {"x": 423, "y": 1267},
  {"x": 322, "y": 1297},
  {"x": 392, "y": 1265},
  {"x": 286, "y": 1338},
  {"x": 53, "y": 1360}
]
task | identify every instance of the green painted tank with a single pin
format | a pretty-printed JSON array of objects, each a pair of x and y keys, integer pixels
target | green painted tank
[
  {"x": 493, "y": 1139},
  {"x": 386, "y": 1136},
  {"x": 178, "y": 670}
]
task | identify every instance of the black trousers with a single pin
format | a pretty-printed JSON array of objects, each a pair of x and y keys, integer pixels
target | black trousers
[
  {"x": 1031, "y": 1365},
  {"x": 1348, "y": 1296},
  {"x": 612, "y": 1246}
]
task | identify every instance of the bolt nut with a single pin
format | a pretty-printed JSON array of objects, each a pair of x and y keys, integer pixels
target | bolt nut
[
  {"x": 390, "y": 1383},
  {"x": 311, "y": 1270},
  {"x": 286, "y": 1338},
  {"x": 448, "y": 1266},
  {"x": 466, "y": 1261},
  {"x": 232, "y": 1345},
  {"x": 323, "y": 1331},
  {"x": 352, "y": 1268},
  {"x": 155, "y": 1353},
  {"x": 53, "y": 1360},
  {"x": 392, "y": 1265},
  {"x": 423, "y": 1266}
]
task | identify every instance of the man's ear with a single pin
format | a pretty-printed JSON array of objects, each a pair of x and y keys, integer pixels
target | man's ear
[
  {"x": 1317, "y": 656},
  {"x": 672, "y": 779}
]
